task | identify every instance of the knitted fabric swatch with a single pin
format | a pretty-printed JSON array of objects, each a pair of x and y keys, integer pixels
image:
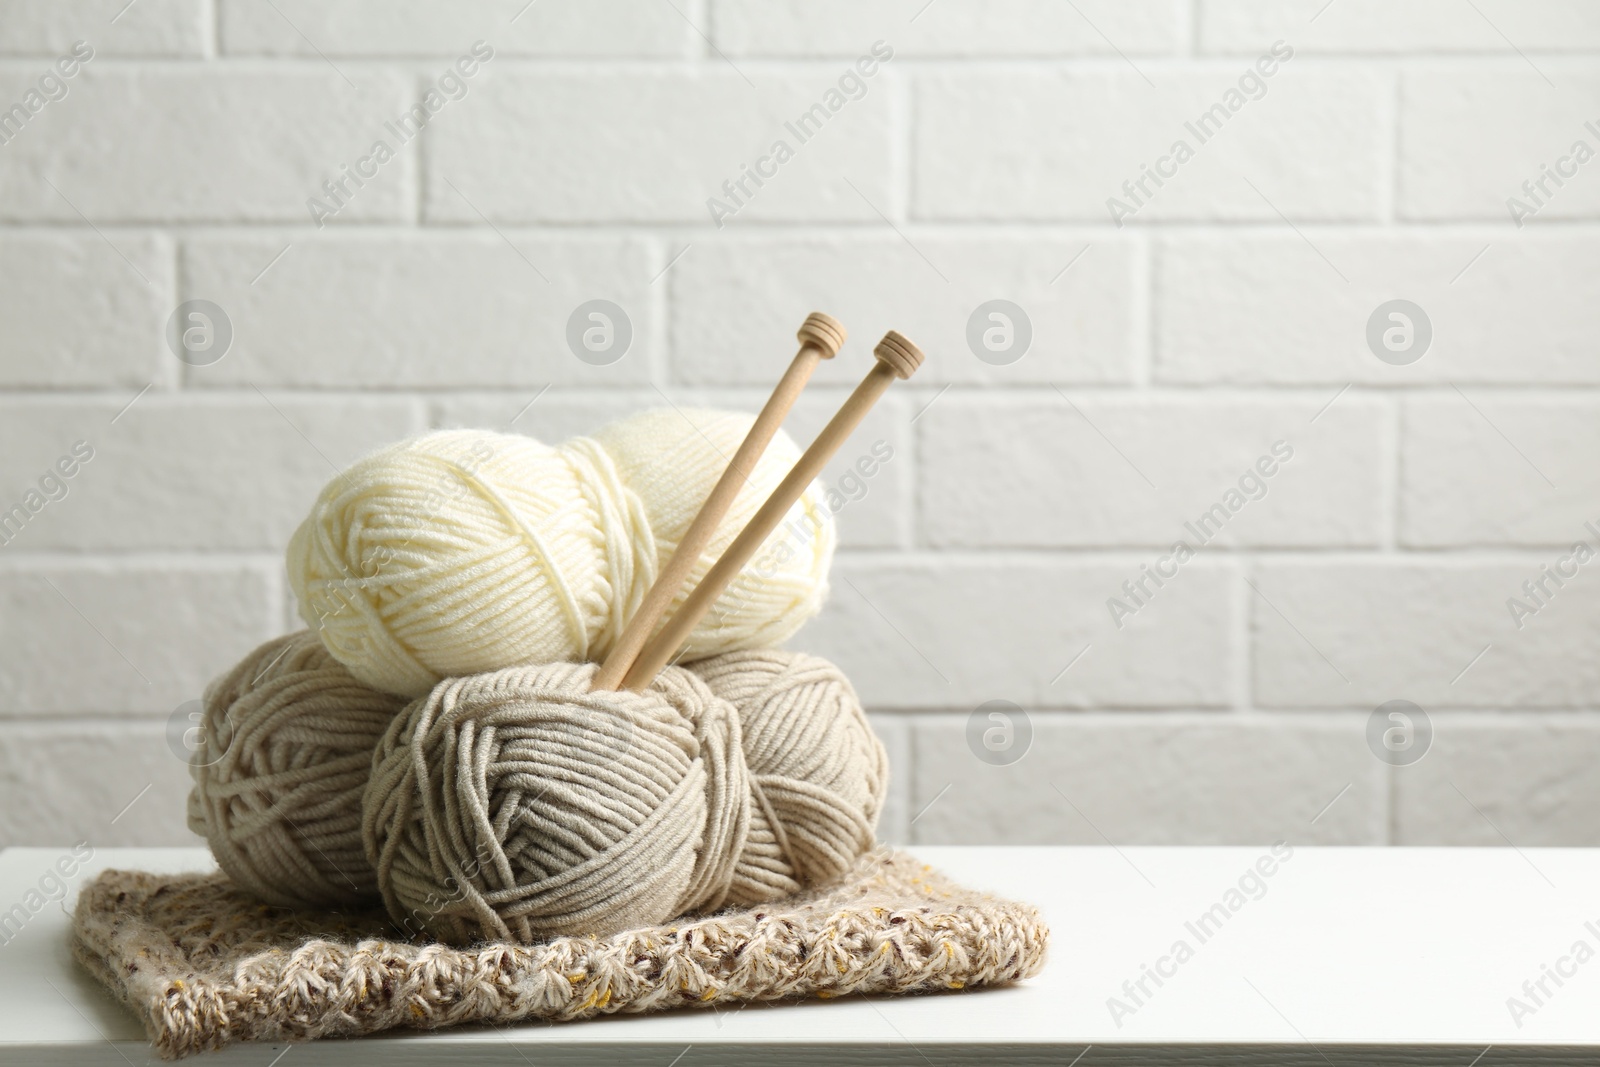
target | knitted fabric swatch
[{"x": 203, "y": 964}]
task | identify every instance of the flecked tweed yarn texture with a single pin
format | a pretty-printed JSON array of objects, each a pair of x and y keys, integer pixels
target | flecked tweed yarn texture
[
  {"x": 464, "y": 551},
  {"x": 203, "y": 965}
]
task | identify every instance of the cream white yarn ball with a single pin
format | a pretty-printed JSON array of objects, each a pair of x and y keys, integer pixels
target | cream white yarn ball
[
  {"x": 465, "y": 551},
  {"x": 672, "y": 471}
]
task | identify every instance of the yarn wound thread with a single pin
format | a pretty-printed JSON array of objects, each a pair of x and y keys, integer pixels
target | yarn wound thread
[
  {"x": 673, "y": 472},
  {"x": 518, "y": 805},
  {"x": 466, "y": 551},
  {"x": 819, "y": 771},
  {"x": 286, "y": 743}
]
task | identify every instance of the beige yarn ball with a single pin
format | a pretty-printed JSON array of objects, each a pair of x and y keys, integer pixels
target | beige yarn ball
[
  {"x": 286, "y": 747},
  {"x": 519, "y": 805},
  {"x": 817, "y": 765},
  {"x": 466, "y": 551}
]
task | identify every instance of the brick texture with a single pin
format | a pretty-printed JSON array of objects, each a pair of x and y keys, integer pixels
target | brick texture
[
  {"x": 1143, "y": 246},
  {"x": 374, "y": 28}
]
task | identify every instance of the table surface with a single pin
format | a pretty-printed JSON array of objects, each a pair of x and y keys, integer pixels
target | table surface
[{"x": 1335, "y": 951}]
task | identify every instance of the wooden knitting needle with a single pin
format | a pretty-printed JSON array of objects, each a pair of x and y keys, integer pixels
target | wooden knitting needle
[
  {"x": 897, "y": 358},
  {"x": 821, "y": 336}
]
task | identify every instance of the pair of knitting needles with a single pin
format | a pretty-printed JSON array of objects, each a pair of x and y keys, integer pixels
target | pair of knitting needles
[{"x": 637, "y": 658}]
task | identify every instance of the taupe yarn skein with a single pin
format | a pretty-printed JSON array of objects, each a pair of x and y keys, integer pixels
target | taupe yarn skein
[
  {"x": 520, "y": 805},
  {"x": 821, "y": 773},
  {"x": 286, "y": 749}
]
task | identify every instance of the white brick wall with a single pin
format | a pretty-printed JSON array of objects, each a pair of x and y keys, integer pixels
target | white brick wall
[
  {"x": 1024, "y": 501},
  {"x": 1291, "y": 309},
  {"x": 436, "y": 310},
  {"x": 1053, "y": 143}
]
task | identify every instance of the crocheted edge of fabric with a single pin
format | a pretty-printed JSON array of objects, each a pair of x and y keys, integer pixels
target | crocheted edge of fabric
[{"x": 894, "y": 925}]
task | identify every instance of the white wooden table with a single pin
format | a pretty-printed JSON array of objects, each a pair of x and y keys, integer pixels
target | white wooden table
[{"x": 1349, "y": 956}]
